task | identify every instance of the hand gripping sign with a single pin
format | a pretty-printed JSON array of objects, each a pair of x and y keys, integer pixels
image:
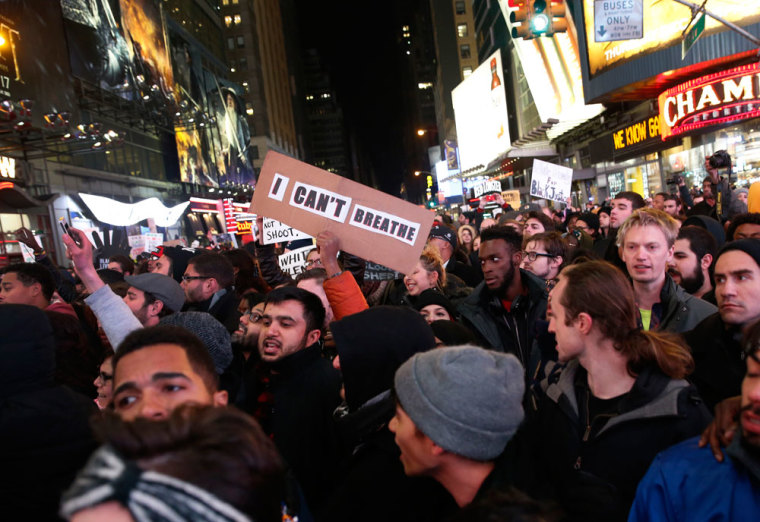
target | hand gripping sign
[{"x": 370, "y": 223}]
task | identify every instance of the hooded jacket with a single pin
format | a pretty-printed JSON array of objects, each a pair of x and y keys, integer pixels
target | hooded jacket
[
  {"x": 512, "y": 332},
  {"x": 591, "y": 465},
  {"x": 44, "y": 427},
  {"x": 374, "y": 486}
]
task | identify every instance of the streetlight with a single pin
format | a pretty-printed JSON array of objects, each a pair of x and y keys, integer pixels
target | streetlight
[{"x": 421, "y": 132}]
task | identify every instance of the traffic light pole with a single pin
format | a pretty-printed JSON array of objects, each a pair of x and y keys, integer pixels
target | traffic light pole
[{"x": 701, "y": 8}]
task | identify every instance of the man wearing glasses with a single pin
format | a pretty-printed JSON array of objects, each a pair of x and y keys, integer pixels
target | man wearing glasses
[
  {"x": 208, "y": 283},
  {"x": 544, "y": 255}
]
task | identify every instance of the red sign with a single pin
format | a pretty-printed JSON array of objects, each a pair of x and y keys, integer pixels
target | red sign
[{"x": 718, "y": 98}]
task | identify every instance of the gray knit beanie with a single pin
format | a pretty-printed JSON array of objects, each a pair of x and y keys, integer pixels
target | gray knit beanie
[
  {"x": 213, "y": 334},
  {"x": 466, "y": 399}
]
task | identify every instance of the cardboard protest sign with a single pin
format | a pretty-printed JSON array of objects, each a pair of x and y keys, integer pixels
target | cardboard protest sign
[
  {"x": 370, "y": 223},
  {"x": 294, "y": 261},
  {"x": 550, "y": 181},
  {"x": 277, "y": 232},
  {"x": 512, "y": 197}
]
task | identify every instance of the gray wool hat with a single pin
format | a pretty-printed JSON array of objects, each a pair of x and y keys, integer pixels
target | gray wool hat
[
  {"x": 468, "y": 400},
  {"x": 213, "y": 334},
  {"x": 162, "y": 287}
]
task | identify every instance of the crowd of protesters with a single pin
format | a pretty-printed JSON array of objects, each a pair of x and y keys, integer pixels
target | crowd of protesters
[{"x": 536, "y": 365}]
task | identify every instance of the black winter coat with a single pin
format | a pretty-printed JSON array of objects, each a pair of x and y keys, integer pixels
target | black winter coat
[{"x": 592, "y": 466}]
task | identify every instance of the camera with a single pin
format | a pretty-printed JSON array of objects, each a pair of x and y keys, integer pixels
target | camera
[
  {"x": 675, "y": 180},
  {"x": 720, "y": 160}
]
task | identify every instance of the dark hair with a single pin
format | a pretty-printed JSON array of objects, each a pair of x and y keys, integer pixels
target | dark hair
[
  {"x": 635, "y": 198},
  {"x": 150, "y": 299},
  {"x": 701, "y": 242},
  {"x": 313, "y": 309},
  {"x": 251, "y": 298},
  {"x": 545, "y": 220},
  {"x": 600, "y": 290},
  {"x": 32, "y": 273},
  {"x": 753, "y": 218},
  {"x": 508, "y": 234},
  {"x": 76, "y": 359},
  {"x": 247, "y": 276},
  {"x": 126, "y": 264},
  {"x": 671, "y": 197},
  {"x": 751, "y": 341},
  {"x": 216, "y": 266},
  {"x": 221, "y": 450},
  {"x": 553, "y": 242},
  {"x": 196, "y": 352},
  {"x": 318, "y": 274}
]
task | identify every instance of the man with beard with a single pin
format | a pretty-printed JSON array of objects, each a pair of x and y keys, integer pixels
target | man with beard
[
  {"x": 685, "y": 482},
  {"x": 695, "y": 250},
  {"x": 719, "y": 363},
  {"x": 504, "y": 309}
]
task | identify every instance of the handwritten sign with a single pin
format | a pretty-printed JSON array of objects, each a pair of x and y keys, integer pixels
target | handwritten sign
[
  {"x": 277, "y": 232},
  {"x": 550, "y": 181},
  {"x": 294, "y": 261},
  {"x": 370, "y": 223}
]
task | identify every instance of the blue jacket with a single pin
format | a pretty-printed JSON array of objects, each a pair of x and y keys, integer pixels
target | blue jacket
[{"x": 686, "y": 483}]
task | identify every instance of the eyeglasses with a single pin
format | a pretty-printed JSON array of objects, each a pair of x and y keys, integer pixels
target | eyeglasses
[
  {"x": 105, "y": 377},
  {"x": 531, "y": 256},
  {"x": 314, "y": 262},
  {"x": 186, "y": 277},
  {"x": 255, "y": 317}
]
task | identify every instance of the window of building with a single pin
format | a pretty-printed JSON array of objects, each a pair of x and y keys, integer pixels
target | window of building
[
  {"x": 462, "y": 30},
  {"x": 237, "y": 19},
  {"x": 234, "y": 2},
  {"x": 240, "y": 42},
  {"x": 466, "y": 71},
  {"x": 225, "y": 2},
  {"x": 227, "y": 21},
  {"x": 230, "y": 43},
  {"x": 459, "y": 7},
  {"x": 243, "y": 64},
  {"x": 464, "y": 51}
]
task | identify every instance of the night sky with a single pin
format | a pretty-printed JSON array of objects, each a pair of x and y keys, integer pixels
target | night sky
[{"x": 358, "y": 43}]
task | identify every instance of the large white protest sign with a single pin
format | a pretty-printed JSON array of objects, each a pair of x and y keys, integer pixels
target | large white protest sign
[
  {"x": 277, "y": 232},
  {"x": 294, "y": 261},
  {"x": 550, "y": 181}
]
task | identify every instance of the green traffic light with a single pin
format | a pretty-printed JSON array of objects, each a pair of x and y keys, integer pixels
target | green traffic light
[{"x": 539, "y": 23}]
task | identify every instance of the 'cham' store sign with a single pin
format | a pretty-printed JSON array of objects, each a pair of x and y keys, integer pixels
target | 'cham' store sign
[{"x": 711, "y": 100}]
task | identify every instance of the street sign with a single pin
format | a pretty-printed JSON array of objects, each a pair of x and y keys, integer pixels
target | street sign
[
  {"x": 618, "y": 20},
  {"x": 692, "y": 35}
]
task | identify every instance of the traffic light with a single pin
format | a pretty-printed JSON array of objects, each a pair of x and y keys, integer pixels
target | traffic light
[
  {"x": 537, "y": 18},
  {"x": 557, "y": 11},
  {"x": 521, "y": 17},
  {"x": 430, "y": 203}
]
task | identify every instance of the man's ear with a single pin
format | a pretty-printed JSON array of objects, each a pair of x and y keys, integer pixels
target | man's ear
[
  {"x": 584, "y": 322},
  {"x": 220, "y": 398},
  {"x": 556, "y": 261},
  {"x": 312, "y": 337},
  {"x": 155, "y": 308},
  {"x": 706, "y": 261}
]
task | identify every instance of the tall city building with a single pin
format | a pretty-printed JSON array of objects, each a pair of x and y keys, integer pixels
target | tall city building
[
  {"x": 456, "y": 46},
  {"x": 328, "y": 140},
  {"x": 256, "y": 51}
]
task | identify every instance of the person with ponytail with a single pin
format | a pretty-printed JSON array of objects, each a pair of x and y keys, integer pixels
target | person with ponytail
[{"x": 619, "y": 399}]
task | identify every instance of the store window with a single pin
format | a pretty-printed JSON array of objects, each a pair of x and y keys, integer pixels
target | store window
[
  {"x": 464, "y": 51},
  {"x": 462, "y": 30}
]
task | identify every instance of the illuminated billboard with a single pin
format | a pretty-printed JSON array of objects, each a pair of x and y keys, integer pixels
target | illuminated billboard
[
  {"x": 664, "y": 23},
  {"x": 714, "y": 99},
  {"x": 552, "y": 70},
  {"x": 119, "y": 45},
  {"x": 213, "y": 137},
  {"x": 480, "y": 111},
  {"x": 448, "y": 180}
]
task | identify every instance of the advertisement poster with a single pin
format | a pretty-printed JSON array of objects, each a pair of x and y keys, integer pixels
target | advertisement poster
[
  {"x": 550, "y": 181},
  {"x": 371, "y": 224},
  {"x": 480, "y": 111}
]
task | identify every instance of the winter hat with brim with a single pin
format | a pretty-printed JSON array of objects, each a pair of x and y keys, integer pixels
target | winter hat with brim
[{"x": 468, "y": 400}]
